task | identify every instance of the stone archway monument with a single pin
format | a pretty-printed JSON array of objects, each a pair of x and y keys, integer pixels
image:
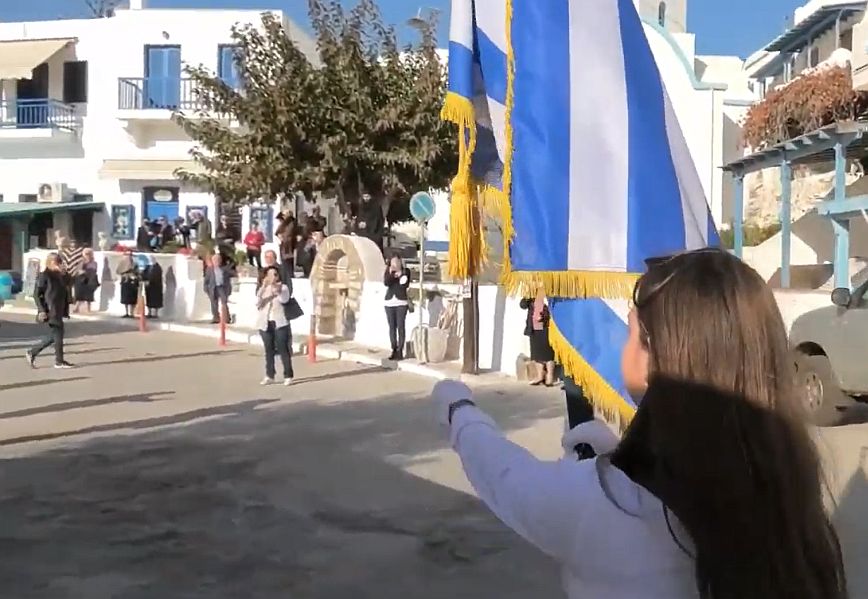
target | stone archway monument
[{"x": 343, "y": 264}]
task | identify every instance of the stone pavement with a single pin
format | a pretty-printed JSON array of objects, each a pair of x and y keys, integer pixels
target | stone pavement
[{"x": 160, "y": 469}]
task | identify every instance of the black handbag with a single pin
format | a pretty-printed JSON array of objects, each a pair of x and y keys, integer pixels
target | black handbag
[{"x": 292, "y": 310}]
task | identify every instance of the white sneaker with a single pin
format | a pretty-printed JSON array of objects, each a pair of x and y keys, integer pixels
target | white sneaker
[
  {"x": 266, "y": 381},
  {"x": 287, "y": 382}
]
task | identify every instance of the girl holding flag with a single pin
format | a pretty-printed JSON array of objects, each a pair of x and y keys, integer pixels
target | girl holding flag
[{"x": 715, "y": 490}]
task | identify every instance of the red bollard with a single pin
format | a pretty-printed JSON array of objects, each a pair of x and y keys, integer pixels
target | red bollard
[
  {"x": 222, "y": 341},
  {"x": 311, "y": 340}
]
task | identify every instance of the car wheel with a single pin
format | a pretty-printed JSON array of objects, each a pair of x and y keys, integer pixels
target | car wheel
[{"x": 819, "y": 391}]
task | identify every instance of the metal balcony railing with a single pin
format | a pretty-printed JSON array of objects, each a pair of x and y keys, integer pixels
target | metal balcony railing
[
  {"x": 157, "y": 93},
  {"x": 40, "y": 113}
]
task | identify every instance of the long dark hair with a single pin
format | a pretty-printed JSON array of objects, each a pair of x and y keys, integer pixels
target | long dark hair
[{"x": 720, "y": 436}]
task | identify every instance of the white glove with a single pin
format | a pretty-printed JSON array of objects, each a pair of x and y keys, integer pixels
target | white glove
[
  {"x": 444, "y": 394},
  {"x": 595, "y": 433}
]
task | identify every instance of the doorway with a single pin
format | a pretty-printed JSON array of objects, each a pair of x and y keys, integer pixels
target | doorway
[
  {"x": 6, "y": 246},
  {"x": 163, "y": 77},
  {"x": 82, "y": 227},
  {"x": 32, "y": 99}
]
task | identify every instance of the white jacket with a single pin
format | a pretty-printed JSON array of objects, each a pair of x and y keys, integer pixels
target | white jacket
[
  {"x": 273, "y": 310},
  {"x": 611, "y": 544}
]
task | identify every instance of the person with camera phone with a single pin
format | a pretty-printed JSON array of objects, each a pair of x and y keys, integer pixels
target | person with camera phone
[
  {"x": 397, "y": 282},
  {"x": 52, "y": 301},
  {"x": 273, "y": 322}
]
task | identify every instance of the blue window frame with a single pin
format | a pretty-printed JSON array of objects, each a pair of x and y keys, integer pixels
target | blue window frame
[
  {"x": 227, "y": 65},
  {"x": 163, "y": 76}
]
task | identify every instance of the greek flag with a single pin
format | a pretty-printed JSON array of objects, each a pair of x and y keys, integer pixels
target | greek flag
[{"x": 568, "y": 134}]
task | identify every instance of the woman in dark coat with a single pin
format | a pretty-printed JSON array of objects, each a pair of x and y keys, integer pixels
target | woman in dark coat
[
  {"x": 153, "y": 278},
  {"x": 85, "y": 281},
  {"x": 130, "y": 278},
  {"x": 537, "y": 328}
]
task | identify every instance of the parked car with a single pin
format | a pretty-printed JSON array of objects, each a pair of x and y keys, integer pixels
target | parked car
[{"x": 830, "y": 347}]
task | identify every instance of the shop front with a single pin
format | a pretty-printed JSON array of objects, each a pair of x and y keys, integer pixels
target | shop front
[{"x": 28, "y": 225}]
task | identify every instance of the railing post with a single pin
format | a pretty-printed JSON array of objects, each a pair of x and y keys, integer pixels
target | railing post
[
  {"x": 786, "y": 222},
  {"x": 841, "y": 228}
]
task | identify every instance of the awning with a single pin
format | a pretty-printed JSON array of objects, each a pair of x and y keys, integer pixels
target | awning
[
  {"x": 18, "y": 58},
  {"x": 18, "y": 209},
  {"x": 146, "y": 170}
]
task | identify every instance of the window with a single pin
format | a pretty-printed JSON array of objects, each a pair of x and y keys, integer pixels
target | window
[
  {"x": 814, "y": 57},
  {"x": 661, "y": 14},
  {"x": 75, "y": 82},
  {"x": 26, "y": 197},
  {"x": 227, "y": 66},
  {"x": 82, "y": 197},
  {"x": 846, "y": 40}
]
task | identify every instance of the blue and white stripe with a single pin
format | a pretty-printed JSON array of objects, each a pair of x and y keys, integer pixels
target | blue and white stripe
[{"x": 602, "y": 177}]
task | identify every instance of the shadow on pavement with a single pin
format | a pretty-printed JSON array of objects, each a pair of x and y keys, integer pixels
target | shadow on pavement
[
  {"x": 87, "y": 403},
  {"x": 38, "y": 382},
  {"x": 161, "y": 358},
  {"x": 66, "y": 352},
  {"x": 146, "y": 423},
  {"x": 302, "y": 500}
]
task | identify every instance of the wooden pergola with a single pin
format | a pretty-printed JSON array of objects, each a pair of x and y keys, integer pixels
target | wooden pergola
[{"x": 834, "y": 143}]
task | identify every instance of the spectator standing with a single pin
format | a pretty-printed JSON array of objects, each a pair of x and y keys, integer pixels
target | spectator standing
[
  {"x": 153, "y": 279},
  {"x": 128, "y": 271},
  {"x": 218, "y": 288},
  {"x": 144, "y": 236},
  {"x": 371, "y": 222},
  {"x": 397, "y": 282},
  {"x": 253, "y": 241},
  {"x": 85, "y": 282},
  {"x": 273, "y": 325},
  {"x": 52, "y": 301}
]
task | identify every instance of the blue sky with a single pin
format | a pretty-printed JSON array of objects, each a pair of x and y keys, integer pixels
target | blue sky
[{"x": 722, "y": 26}]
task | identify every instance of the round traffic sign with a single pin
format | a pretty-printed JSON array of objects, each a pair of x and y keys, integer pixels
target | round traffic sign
[{"x": 422, "y": 206}]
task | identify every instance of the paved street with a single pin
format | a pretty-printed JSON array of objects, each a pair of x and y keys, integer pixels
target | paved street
[{"x": 160, "y": 469}]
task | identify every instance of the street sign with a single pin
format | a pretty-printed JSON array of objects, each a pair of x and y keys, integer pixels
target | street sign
[{"x": 422, "y": 207}]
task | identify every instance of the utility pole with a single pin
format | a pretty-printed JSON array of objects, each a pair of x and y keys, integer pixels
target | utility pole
[{"x": 470, "y": 306}]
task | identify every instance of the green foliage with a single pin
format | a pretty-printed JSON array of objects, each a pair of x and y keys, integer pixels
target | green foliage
[
  {"x": 753, "y": 235},
  {"x": 361, "y": 116}
]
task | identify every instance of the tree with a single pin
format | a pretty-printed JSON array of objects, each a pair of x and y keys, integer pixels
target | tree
[{"x": 361, "y": 116}]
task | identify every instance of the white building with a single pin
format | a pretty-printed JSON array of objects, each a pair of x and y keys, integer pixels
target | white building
[
  {"x": 710, "y": 95},
  {"x": 85, "y": 117}
]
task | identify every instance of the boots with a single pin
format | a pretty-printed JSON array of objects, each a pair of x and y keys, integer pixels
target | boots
[
  {"x": 550, "y": 374},
  {"x": 540, "y": 377}
]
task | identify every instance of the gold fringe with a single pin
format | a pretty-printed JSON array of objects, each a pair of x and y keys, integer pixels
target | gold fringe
[
  {"x": 570, "y": 283},
  {"x": 599, "y": 392}
]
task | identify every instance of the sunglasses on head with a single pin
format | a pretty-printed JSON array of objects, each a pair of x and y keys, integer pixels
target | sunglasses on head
[{"x": 658, "y": 261}]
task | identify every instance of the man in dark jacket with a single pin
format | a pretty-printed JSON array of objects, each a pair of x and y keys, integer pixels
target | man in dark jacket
[
  {"x": 218, "y": 288},
  {"x": 371, "y": 222},
  {"x": 52, "y": 301}
]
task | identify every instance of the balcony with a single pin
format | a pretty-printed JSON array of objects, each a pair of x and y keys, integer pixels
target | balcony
[
  {"x": 41, "y": 118},
  {"x": 155, "y": 98}
]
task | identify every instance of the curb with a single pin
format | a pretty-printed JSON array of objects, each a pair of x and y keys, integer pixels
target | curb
[{"x": 325, "y": 350}]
